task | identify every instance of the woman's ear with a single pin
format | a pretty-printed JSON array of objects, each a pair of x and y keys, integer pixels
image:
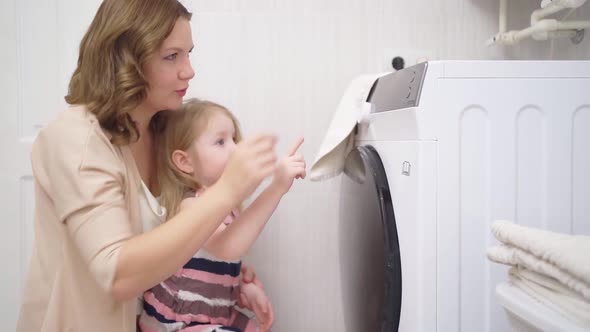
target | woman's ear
[{"x": 182, "y": 160}]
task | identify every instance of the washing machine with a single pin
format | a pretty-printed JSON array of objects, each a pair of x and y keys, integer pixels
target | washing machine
[{"x": 448, "y": 147}]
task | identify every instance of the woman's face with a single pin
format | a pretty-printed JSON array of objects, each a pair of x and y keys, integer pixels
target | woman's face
[{"x": 169, "y": 71}]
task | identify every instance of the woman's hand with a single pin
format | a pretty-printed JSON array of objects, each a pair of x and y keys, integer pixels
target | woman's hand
[
  {"x": 289, "y": 168},
  {"x": 259, "y": 304},
  {"x": 253, "y": 298},
  {"x": 253, "y": 160},
  {"x": 248, "y": 275}
]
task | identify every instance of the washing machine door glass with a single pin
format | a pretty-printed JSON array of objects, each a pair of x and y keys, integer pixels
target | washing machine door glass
[{"x": 369, "y": 248}]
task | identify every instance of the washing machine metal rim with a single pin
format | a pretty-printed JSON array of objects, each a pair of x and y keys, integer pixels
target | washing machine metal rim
[{"x": 392, "y": 288}]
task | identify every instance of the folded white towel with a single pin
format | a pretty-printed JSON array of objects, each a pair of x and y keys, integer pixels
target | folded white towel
[
  {"x": 552, "y": 294},
  {"x": 339, "y": 139},
  {"x": 569, "y": 253},
  {"x": 510, "y": 255}
]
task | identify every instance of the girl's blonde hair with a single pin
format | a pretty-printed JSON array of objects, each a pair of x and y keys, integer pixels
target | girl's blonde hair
[
  {"x": 109, "y": 79},
  {"x": 177, "y": 130}
]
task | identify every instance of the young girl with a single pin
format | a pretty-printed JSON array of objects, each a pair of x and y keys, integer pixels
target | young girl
[{"x": 193, "y": 150}]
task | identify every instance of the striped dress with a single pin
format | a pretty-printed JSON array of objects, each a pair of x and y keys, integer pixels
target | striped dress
[{"x": 201, "y": 296}]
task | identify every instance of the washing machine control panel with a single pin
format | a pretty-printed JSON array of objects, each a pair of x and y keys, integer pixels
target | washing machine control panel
[{"x": 400, "y": 89}]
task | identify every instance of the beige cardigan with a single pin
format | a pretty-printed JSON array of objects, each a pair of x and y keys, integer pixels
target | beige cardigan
[{"x": 86, "y": 194}]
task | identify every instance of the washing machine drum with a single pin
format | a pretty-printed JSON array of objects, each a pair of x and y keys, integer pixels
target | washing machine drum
[{"x": 369, "y": 248}]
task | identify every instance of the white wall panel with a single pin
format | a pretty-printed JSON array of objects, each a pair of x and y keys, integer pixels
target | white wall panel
[
  {"x": 37, "y": 62},
  {"x": 10, "y": 230}
]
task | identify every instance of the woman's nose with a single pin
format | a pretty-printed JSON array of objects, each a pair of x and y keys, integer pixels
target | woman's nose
[{"x": 187, "y": 72}]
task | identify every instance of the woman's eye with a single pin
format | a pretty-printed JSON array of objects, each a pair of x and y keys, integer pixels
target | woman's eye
[
  {"x": 220, "y": 141},
  {"x": 171, "y": 56}
]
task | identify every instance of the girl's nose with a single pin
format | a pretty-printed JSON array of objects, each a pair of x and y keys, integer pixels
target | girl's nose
[{"x": 231, "y": 146}]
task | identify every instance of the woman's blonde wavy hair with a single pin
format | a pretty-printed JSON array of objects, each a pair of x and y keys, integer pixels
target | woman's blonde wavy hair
[
  {"x": 177, "y": 130},
  {"x": 109, "y": 79}
]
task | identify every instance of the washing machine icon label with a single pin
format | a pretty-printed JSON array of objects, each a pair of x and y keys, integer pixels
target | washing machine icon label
[{"x": 406, "y": 168}]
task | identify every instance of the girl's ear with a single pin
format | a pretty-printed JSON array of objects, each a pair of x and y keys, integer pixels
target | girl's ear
[{"x": 182, "y": 160}]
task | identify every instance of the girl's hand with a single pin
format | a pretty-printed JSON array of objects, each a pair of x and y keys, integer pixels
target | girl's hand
[{"x": 289, "y": 168}]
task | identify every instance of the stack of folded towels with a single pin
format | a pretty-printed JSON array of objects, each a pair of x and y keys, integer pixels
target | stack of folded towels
[{"x": 551, "y": 267}]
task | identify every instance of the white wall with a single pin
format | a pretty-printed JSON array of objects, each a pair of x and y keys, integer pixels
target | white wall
[
  {"x": 280, "y": 66},
  {"x": 562, "y": 49}
]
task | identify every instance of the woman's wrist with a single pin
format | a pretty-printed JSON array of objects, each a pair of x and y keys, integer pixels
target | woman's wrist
[
  {"x": 225, "y": 190},
  {"x": 275, "y": 189}
]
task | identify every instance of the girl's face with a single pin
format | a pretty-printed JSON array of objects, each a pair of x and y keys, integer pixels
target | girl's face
[
  {"x": 210, "y": 152},
  {"x": 169, "y": 71}
]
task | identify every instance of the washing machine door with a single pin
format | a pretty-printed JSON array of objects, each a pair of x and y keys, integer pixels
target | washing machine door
[{"x": 369, "y": 249}]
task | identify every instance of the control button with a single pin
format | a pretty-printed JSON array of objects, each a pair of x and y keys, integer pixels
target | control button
[{"x": 398, "y": 63}]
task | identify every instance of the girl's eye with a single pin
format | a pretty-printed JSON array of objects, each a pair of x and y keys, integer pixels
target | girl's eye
[
  {"x": 220, "y": 141},
  {"x": 171, "y": 56}
]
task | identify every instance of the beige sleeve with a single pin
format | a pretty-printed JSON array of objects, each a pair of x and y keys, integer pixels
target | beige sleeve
[{"x": 85, "y": 178}]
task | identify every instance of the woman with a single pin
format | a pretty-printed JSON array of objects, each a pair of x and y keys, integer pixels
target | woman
[{"x": 92, "y": 257}]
